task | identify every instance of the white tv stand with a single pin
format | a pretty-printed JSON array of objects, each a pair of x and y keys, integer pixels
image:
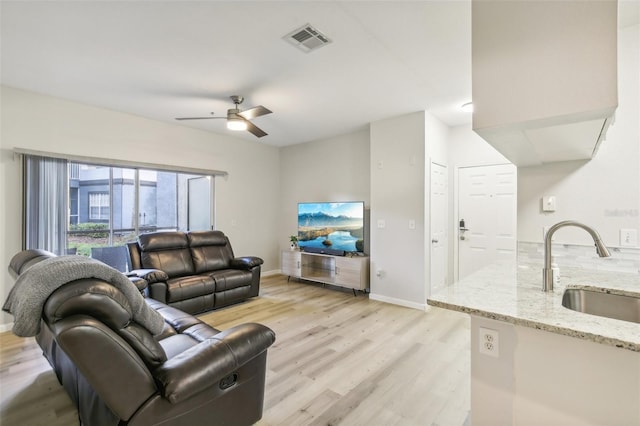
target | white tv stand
[{"x": 343, "y": 271}]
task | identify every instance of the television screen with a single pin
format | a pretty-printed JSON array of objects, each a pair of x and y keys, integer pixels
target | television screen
[{"x": 338, "y": 226}]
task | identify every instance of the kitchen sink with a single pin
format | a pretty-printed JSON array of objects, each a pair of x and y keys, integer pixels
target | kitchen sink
[{"x": 616, "y": 306}]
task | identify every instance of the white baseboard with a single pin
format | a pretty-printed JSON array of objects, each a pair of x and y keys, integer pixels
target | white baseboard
[
  {"x": 401, "y": 302},
  {"x": 6, "y": 327},
  {"x": 270, "y": 273}
]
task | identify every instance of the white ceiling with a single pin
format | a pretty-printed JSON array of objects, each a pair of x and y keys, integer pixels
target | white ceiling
[{"x": 167, "y": 59}]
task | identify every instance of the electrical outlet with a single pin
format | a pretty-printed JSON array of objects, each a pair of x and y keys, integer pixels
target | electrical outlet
[{"x": 489, "y": 341}]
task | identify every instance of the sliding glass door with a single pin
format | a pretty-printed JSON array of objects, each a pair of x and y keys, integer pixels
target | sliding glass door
[
  {"x": 72, "y": 207},
  {"x": 199, "y": 203},
  {"x": 102, "y": 207},
  {"x": 109, "y": 206}
]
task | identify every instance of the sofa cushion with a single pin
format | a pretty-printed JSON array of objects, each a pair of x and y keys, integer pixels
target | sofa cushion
[
  {"x": 229, "y": 297},
  {"x": 175, "y": 263},
  {"x": 207, "y": 238},
  {"x": 183, "y": 288},
  {"x": 177, "y": 319},
  {"x": 166, "y": 251},
  {"x": 210, "y": 258},
  {"x": 175, "y": 345},
  {"x": 210, "y": 250},
  {"x": 163, "y": 240},
  {"x": 228, "y": 279}
]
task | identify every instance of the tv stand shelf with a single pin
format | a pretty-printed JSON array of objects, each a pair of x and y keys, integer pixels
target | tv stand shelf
[{"x": 343, "y": 271}]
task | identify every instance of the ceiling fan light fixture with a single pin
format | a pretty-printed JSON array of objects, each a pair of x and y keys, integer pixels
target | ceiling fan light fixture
[
  {"x": 238, "y": 120},
  {"x": 238, "y": 124}
]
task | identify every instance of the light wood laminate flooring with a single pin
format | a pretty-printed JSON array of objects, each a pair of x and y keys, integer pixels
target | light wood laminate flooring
[{"x": 337, "y": 360}]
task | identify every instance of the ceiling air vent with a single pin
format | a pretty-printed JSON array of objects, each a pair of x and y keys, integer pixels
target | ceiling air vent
[{"x": 307, "y": 38}]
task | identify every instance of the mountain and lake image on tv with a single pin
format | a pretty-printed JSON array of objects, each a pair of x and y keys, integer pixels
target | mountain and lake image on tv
[{"x": 337, "y": 226}]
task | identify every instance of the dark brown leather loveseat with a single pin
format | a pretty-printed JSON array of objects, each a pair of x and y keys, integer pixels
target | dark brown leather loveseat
[
  {"x": 194, "y": 271},
  {"x": 118, "y": 373}
]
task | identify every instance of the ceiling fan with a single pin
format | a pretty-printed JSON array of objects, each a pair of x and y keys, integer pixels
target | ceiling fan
[{"x": 239, "y": 120}]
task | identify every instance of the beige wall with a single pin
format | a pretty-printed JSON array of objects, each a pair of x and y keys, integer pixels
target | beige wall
[
  {"x": 244, "y": 200},
  {"x": 397, "y": 196},
  {"x": 335, "y": 169},
  {"x": 402, "y": 149},
  {"x": 603, "y": 192}
]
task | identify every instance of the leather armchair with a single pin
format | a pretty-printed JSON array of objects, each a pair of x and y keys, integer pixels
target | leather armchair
[{"x": 117, "y": 372}]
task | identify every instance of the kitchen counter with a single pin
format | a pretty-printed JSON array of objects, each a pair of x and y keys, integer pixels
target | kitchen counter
[{"x": 513, "y": 294}]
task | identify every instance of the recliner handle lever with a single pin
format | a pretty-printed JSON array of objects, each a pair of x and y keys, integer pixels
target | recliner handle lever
[{"x": 228, "y": 381}]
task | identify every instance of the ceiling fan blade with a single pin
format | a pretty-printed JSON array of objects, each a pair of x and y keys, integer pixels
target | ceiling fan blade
[
  {"x": 196, "y": 118},
  {"x": 255, "y": 130},
  {"x": 254, "y": 112}
]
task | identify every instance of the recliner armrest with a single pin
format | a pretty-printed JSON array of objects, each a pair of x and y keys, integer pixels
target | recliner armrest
[
  {"x": 246, "y": 262},
  {"x": 149, "y": 275},
  {"x": 213, "y": 359},
  {"x": 140, "y": 283}
]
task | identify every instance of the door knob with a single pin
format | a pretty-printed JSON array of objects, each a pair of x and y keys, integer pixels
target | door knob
[{"x": 434, "y": 241}]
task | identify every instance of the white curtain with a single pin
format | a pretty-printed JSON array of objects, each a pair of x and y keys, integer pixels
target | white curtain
[{"x": 46, "y": 186}]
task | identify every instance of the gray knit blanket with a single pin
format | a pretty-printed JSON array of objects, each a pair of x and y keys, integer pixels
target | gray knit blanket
[{"x": 32, "y": 288}]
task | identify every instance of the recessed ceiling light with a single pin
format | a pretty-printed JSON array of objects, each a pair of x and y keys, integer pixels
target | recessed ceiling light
[{"x": 468, "y": 107}]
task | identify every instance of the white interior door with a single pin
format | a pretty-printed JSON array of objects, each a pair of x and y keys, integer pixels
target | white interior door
[
  {"x": 438, "y": 226},
  {"x": 487, "y": 215}
]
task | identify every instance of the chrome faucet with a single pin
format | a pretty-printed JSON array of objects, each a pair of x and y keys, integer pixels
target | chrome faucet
[{"x": 547, "y": 272}]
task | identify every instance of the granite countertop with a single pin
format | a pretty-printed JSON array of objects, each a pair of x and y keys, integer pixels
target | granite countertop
[{"x": 513, "y": 294}]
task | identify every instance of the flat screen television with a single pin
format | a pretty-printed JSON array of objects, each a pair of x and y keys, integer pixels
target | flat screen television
[{"x": 338, "y": 226}]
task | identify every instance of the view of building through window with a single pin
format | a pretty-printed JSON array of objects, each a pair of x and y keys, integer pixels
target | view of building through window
[{"x": 109, "y": 206}]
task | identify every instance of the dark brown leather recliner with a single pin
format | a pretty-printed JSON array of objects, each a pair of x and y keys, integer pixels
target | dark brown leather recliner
[
  {"x": 118, "y": 373},
  {"x": 194, "y": 271}
]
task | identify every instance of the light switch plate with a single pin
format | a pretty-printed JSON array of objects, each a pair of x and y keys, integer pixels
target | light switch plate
[
  {"x": 549, "y": 203},
  {"x": 628, "y": 238}
]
